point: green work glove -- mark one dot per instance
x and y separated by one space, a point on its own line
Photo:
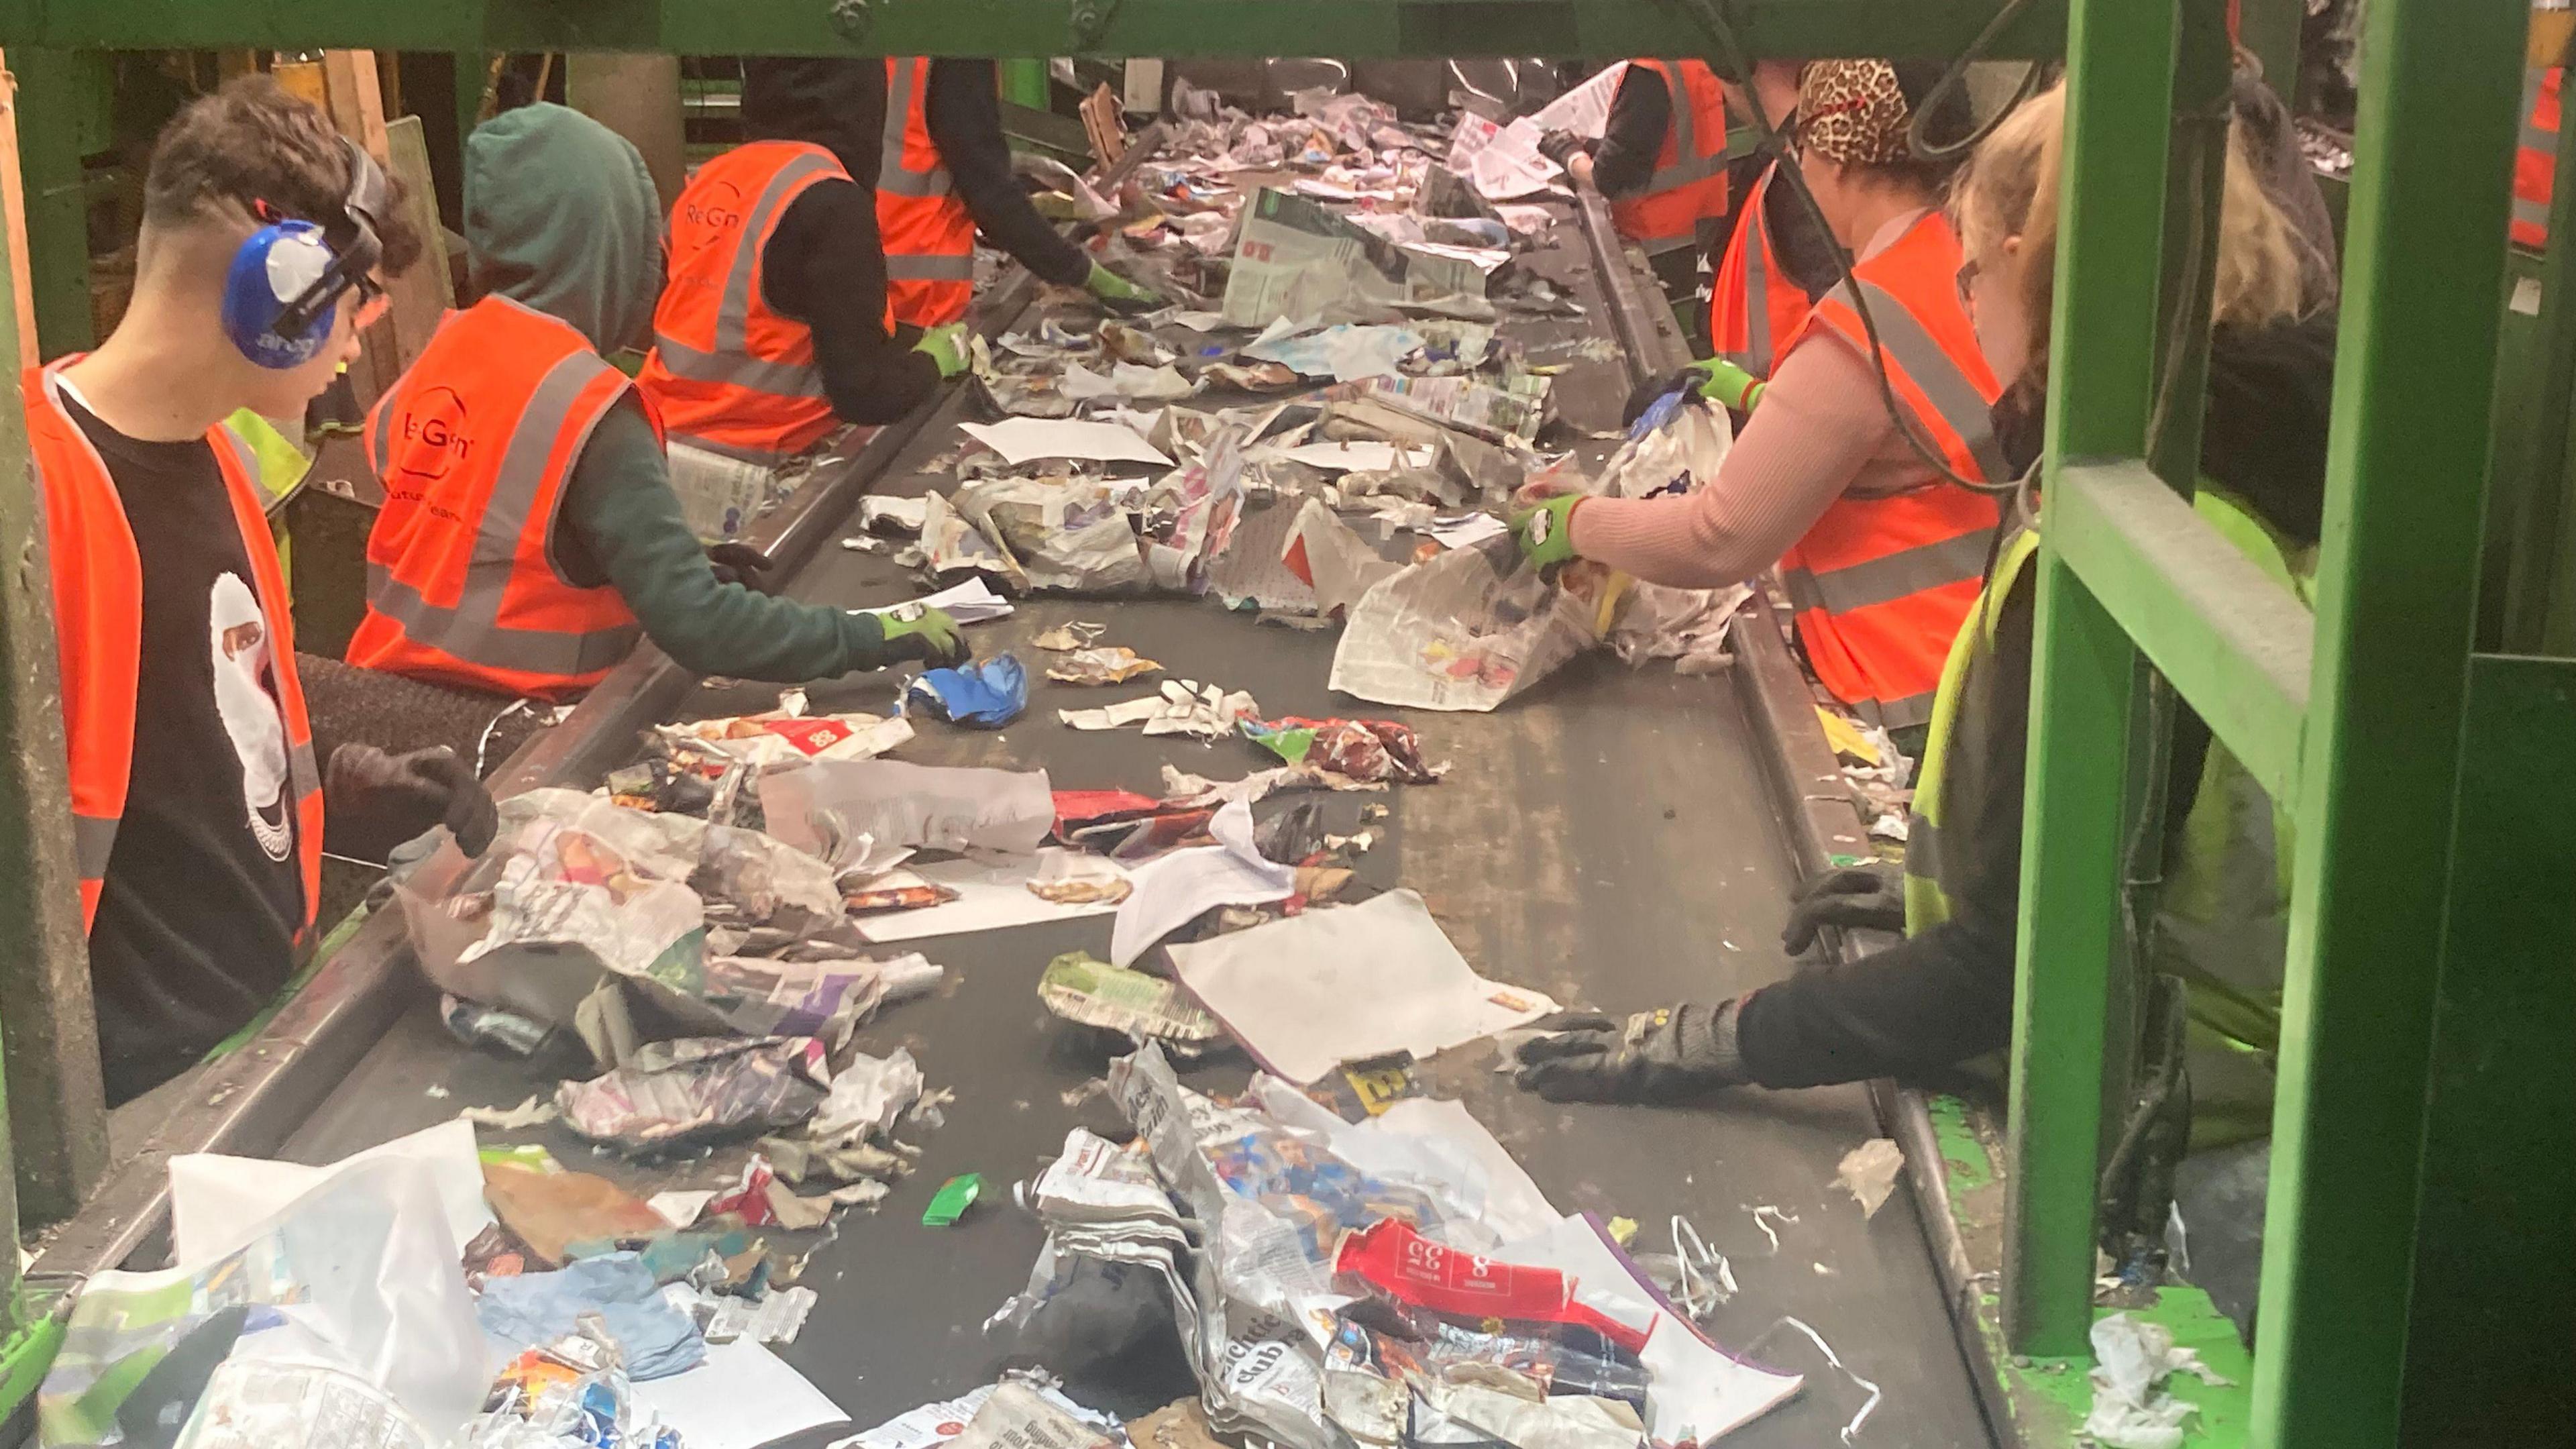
1108 286
1546 532
917 631
945 345
1723 382
1665 1055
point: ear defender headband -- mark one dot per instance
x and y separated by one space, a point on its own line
284 288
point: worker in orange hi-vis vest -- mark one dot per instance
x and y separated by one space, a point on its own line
530 536
947 172
774 326
1776 262
1880 552
201 789
1661 162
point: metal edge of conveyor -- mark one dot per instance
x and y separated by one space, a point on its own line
1808 787
249 1102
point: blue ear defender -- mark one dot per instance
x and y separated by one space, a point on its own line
273 270
283 290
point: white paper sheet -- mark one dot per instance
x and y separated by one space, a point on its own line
1700 1390
1022 440
1340 984
992 892
216 1200
743 1396
1466 530
1584 110
972 602
1357 457
1172 891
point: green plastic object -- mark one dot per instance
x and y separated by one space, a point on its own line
25 1356
952 1200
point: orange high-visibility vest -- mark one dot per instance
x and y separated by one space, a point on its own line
1881 585
475 444
1689 182
725 370
1754 304
928 233
98 631
2535 165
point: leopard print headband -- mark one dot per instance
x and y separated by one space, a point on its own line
1854 112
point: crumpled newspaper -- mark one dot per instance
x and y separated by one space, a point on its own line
2131 1359
1182 707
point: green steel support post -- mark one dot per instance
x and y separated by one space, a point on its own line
57 208
2540 601
2493 1309
2396 597
55 1129
2120 62
1024 83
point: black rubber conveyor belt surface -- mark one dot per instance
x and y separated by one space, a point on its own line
1609 838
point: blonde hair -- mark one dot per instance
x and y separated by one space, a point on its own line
2010 188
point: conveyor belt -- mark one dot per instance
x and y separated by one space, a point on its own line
1617 837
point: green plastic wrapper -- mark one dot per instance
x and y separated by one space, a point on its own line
952 1200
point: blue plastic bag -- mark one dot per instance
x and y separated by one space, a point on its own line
985 693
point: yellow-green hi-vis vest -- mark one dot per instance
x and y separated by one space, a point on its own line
2222 922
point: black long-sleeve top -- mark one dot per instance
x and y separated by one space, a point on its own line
964 112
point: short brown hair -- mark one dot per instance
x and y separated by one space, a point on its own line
254 142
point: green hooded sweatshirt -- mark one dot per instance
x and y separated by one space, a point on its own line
561 215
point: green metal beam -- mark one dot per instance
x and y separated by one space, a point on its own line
49 161
2101 380
2396 598
1024 83
1358 29
54 1133
2234 642
2270 29
2493 1307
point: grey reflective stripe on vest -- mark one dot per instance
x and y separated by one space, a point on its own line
735 311
93 842
2527 211
1688 164
472 630
1948 389
779 379
380 440
1890 576
300 770
891 173
917 268
1897 714
1756 357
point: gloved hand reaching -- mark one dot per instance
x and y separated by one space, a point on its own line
739 563
1714 378
946 346
1562 147
1664 1055
917 631
374 801
1870 896
1546 530
1110 287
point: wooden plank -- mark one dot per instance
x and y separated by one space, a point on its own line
1105 126
13 197
354 99
424 291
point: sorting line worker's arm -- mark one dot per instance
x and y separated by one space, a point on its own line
1819 423
1928 1002
825 267
624 520
1640 112
964 111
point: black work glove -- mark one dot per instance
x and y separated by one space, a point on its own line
1665 1055
1871 896
739 563
377 801
1560 146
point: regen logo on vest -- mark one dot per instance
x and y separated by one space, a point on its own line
719 210
434 433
